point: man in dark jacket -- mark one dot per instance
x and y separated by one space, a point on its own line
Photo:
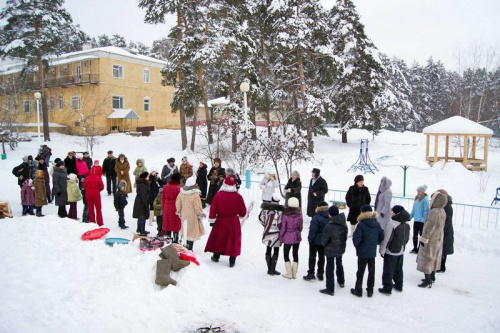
22 171
87 159
396 236
334 238
141 204
108 168
168 170
120 201
357 196
202 182
70 163
318 223
367 236
317 190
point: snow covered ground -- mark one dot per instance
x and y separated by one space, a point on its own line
50 281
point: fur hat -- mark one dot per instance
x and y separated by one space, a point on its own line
59 163
293 202
422 188
230 181
57 160
322 204
72 176
276 197
171 160
176 177
316 172
39 174
122 184
144 175
39 157
110 152
333 210
184 159
217 160
190 182
358 179
366 208
397 209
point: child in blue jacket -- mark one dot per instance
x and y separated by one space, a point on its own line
318 222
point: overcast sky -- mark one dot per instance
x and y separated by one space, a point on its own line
409 29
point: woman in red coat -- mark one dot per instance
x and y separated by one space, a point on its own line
93 186
226 209
171 221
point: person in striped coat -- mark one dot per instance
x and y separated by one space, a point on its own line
270 218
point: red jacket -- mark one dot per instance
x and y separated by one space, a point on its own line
81 167
171 221
93 186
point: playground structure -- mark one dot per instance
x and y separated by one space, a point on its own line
364 162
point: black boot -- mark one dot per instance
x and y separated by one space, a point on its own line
385 291
427 283
232 261
38 211
309 277
369 292
215 257
142 227
268 262
357 292
433 277
443 265
190 245
274 261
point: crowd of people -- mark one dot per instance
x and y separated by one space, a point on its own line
175 200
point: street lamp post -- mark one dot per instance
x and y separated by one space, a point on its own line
245 87
37 97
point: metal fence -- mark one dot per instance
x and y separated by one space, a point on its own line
464 215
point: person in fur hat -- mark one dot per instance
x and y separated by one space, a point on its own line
449 237
431 242
108 169
139 169
70 163
367 236
28 197
171 221
216 177
318 223
120 202
188 205
317 190
186 169
231 172
74 195
270 218
290 235
357 196
122 169
396 236
42 165
419 213
141 203
93 187
40 192
225 211
168 170
334 239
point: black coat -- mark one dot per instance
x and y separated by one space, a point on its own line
449 237
22 169
70 165
320 187
334 236
88 161
296 187
154 189
201 180
141 204
216 178
60 186
120 199
355 198
108 166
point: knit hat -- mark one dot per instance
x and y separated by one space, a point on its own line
72 176
230 181
59 163
184 159
190 181
322 204
39 157
217 160
293 202
333 210
110 152
144 175
86 153
154 170
276 197
358 179
96 162
171 160
57 160
366 208
316 172
422 188
397 209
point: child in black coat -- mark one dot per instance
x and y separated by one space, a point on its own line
120 201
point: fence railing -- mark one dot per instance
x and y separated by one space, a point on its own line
464 215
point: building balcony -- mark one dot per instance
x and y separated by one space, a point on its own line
50 82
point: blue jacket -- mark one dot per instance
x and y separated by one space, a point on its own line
368 235
420 209
318 223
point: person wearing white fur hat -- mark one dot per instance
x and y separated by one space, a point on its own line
270 218
188 205
290 235
419 213
186 169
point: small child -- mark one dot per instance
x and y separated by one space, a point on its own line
40 192
28 197
318 222
96 169
397 235
158 213
74 195
291 227
120 201
366 237
270 218
334 240
139 169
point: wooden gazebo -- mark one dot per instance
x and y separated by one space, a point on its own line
458 127
118 119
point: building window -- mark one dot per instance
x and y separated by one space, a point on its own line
147 104
117 71
27 107
60 101
118 102
51 103
75 103
145 75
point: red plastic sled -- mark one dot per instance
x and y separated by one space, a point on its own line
95 234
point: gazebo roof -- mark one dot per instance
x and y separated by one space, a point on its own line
457 125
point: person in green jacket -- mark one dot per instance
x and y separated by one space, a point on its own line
158 211
140 168
74 195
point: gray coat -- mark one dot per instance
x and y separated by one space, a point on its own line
429 254
60 185
383 202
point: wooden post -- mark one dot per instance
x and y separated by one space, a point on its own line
474 147
466 149
436 136
427 147
447 147
486 153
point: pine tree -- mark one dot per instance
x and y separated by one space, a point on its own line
33 31
119 41
104 40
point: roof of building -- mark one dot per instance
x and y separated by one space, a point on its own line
123 114
457 125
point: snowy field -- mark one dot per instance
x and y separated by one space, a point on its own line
50 281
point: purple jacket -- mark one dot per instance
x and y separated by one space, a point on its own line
291 225
27 194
